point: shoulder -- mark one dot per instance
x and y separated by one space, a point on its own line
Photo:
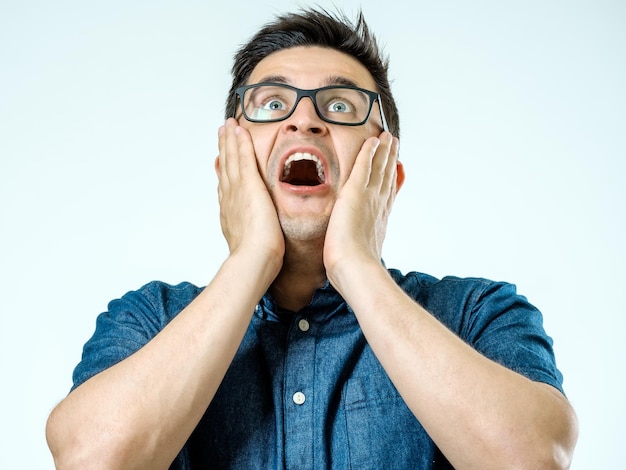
461 302
156 300
167 295
426 286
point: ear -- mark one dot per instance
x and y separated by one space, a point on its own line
217 166
399 175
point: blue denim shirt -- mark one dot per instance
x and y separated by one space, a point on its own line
305 390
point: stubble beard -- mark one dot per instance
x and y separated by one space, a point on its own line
304 228
304 242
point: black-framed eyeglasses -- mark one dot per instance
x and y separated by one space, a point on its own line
338 104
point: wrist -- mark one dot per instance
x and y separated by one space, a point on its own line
357 272
258 264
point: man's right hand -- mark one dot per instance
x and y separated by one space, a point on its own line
247 214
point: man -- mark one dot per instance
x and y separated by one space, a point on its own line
304 351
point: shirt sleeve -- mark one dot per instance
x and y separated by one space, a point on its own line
128 324
492 318
505 327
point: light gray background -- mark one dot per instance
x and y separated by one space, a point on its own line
513 140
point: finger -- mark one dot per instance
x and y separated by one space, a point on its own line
362 169
390 172
380 160
220 163
228 152
231 149
246 153
224 183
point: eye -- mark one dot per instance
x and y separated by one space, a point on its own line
273 105
339 107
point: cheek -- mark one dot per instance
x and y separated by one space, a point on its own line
347 150
263 143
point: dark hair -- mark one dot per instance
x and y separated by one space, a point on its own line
316 28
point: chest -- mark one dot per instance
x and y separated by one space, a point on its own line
309 394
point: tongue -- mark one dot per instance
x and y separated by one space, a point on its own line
303 173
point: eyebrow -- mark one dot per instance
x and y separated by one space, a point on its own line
331 80
339 80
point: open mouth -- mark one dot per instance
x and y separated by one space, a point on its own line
303 169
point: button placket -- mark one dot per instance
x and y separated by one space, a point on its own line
298 392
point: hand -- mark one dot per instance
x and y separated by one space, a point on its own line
247 214
358 223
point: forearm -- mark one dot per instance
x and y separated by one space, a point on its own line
140 412
479 413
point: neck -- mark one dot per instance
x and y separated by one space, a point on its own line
302 273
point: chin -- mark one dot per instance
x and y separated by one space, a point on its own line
304 228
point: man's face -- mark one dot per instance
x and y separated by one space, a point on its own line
304 191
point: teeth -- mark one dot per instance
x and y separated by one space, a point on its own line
304 156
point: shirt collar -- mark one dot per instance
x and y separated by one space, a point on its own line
325 301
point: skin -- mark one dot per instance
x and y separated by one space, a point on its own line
140 412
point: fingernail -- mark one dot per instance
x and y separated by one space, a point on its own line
220 131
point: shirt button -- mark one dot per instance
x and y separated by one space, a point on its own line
299 398
304 325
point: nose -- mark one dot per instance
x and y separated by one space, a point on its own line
305 119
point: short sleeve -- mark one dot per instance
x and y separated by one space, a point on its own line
505 327
129 323
492 318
